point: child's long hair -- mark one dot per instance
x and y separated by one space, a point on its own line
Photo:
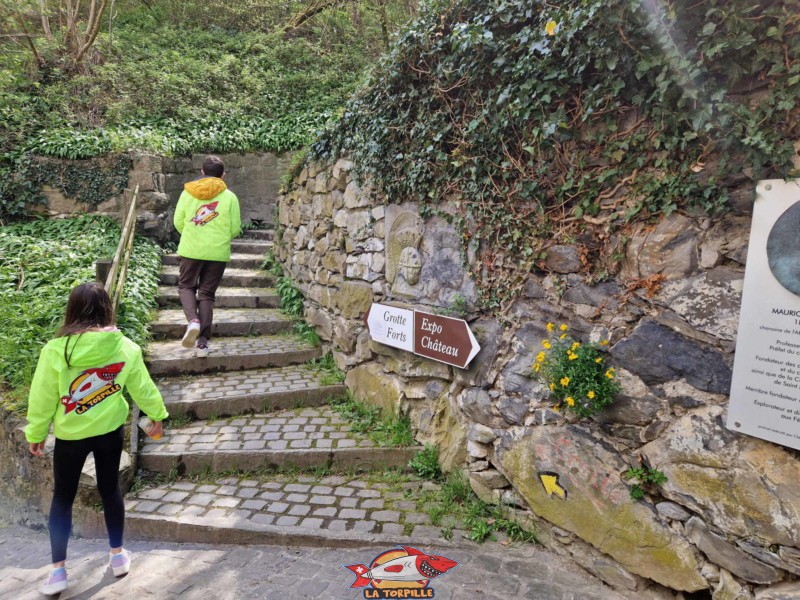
88 307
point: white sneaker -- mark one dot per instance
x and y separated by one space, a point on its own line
190 337
201 351
120 563
56 582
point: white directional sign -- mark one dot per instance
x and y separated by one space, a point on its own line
440 338
392 326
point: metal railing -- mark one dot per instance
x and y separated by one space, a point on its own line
115 281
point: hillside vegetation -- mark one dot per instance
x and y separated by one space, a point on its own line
543 121
179 76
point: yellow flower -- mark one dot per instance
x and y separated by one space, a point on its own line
540 357
563 327
590 395
564 381
552 387
550 327
562 336
550 27
575 346
536 367
610 373
570 401
546 344
604 343
598 360
571 355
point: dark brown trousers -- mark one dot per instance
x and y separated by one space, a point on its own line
197 287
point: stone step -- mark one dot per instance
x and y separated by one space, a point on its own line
332 511
237 261
227 297
256 390
232 277
229 354
171 323
301 439
259 234
250 246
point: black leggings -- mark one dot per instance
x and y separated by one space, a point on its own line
68 459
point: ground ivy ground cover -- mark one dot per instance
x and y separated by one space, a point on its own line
40 262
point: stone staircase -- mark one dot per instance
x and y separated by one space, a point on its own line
252 453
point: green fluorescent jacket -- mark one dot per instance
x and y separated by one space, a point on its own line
207 217
85 399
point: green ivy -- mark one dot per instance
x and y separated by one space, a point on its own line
570 119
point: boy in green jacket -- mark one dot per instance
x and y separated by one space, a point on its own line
207 217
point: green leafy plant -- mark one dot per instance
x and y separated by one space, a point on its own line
306 333
645 478
426 463
385 431
291 297
326 367
576 373
271 264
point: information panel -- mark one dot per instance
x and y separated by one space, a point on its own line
765 391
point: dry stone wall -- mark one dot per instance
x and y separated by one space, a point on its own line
255 178
728 518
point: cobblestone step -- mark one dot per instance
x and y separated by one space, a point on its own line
237 261
259 234
332 511
171 323
229 354
256 390
250 246
227 297
301 438
231 278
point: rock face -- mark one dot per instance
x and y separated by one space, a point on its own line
726 520
658 354
595 493
742 485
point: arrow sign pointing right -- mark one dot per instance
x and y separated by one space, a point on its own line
445 339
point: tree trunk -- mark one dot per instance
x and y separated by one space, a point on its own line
45 20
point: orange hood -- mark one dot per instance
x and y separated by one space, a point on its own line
205 188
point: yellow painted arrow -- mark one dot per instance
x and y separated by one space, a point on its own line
551 486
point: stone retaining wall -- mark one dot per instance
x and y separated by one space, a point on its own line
254 177
727 519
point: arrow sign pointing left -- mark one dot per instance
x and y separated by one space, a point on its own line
551 486
391 326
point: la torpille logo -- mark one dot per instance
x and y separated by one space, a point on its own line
206 213
91 387
400 573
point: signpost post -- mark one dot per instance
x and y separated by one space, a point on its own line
440 338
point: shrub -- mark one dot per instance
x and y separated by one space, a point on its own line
576 373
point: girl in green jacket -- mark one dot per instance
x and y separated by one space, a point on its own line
78 388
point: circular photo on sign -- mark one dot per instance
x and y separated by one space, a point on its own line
783 249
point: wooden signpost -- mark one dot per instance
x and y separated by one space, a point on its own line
439 338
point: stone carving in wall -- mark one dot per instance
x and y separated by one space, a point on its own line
403 259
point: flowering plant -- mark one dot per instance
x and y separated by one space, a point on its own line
576 373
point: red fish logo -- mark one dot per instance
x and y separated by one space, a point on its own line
205 214
92 387
407 569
